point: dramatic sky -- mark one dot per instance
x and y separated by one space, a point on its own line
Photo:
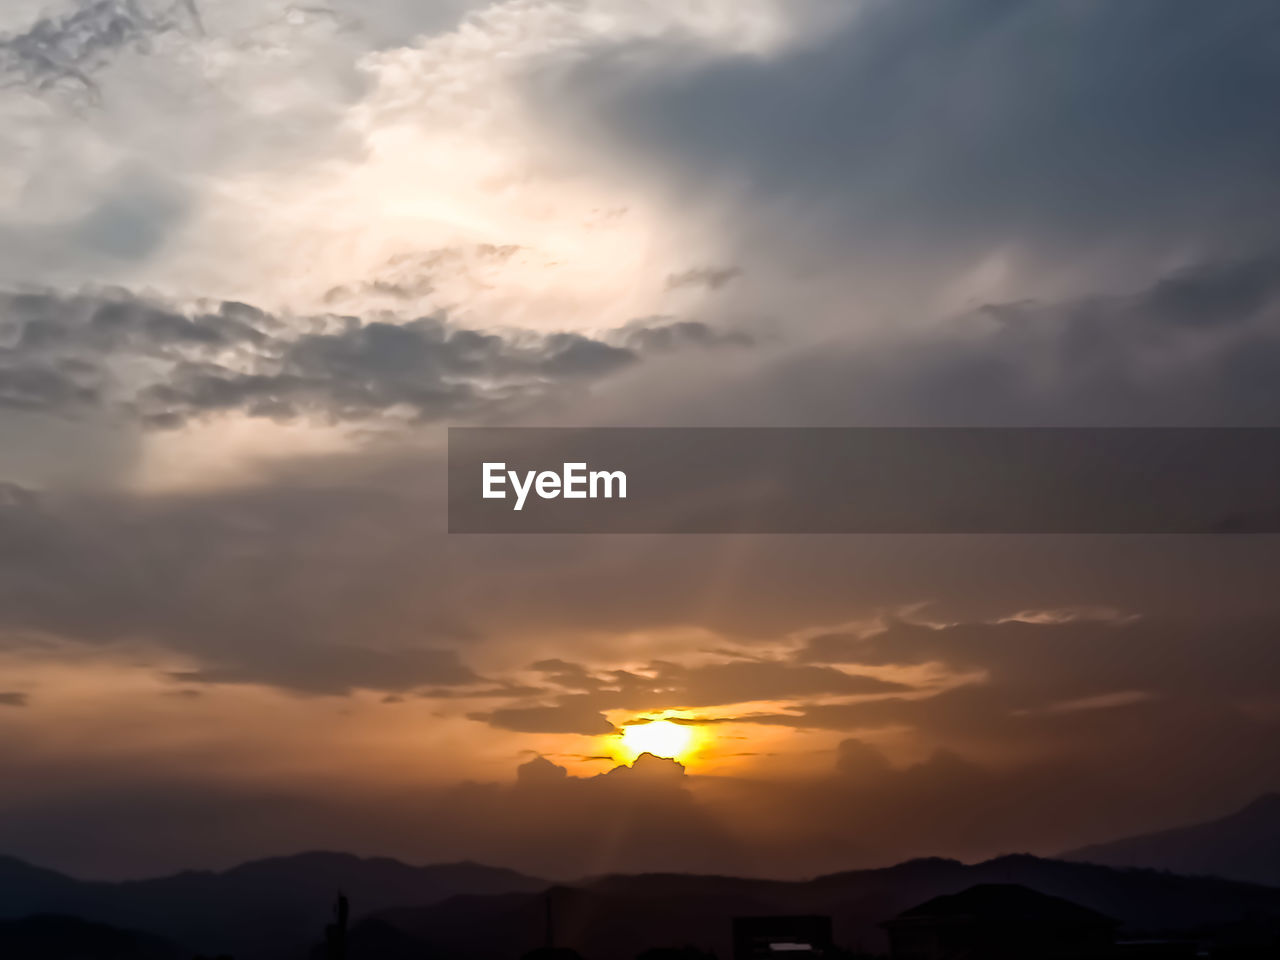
256 256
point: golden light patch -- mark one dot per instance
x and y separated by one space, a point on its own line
662 738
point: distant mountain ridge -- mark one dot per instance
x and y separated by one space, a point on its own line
277 908
618 917
260 908
51 937
1244 845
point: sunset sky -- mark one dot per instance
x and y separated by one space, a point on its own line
255 257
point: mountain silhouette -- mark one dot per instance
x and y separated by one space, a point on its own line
47 937
1242 846
619 917
278 908
262 908
25 889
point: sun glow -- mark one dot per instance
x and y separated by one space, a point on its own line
662 738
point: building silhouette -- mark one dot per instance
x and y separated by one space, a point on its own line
1000 921
335 934
771 938
549 950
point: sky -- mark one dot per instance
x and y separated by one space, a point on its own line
256 257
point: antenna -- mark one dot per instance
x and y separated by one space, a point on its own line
550 918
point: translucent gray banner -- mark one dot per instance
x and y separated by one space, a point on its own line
863 480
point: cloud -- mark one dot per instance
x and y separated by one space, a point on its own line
711 277
763 680
72 354
906 143
1013 690
855 758
12 699
651 816
660 337
319 667
1198 346
185 596
570 715
540 770
663 685
1052 661
70 49
732 682
1047 214
1080 692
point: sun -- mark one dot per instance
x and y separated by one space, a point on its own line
662 738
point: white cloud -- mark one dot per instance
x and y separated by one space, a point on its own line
291 157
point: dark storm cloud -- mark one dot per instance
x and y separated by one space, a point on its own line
973 123
63 355
212 584
117 321
70 49
55 387
1197 347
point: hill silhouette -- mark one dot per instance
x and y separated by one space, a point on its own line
261 908
50 937
1242 846
277 908
618 917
